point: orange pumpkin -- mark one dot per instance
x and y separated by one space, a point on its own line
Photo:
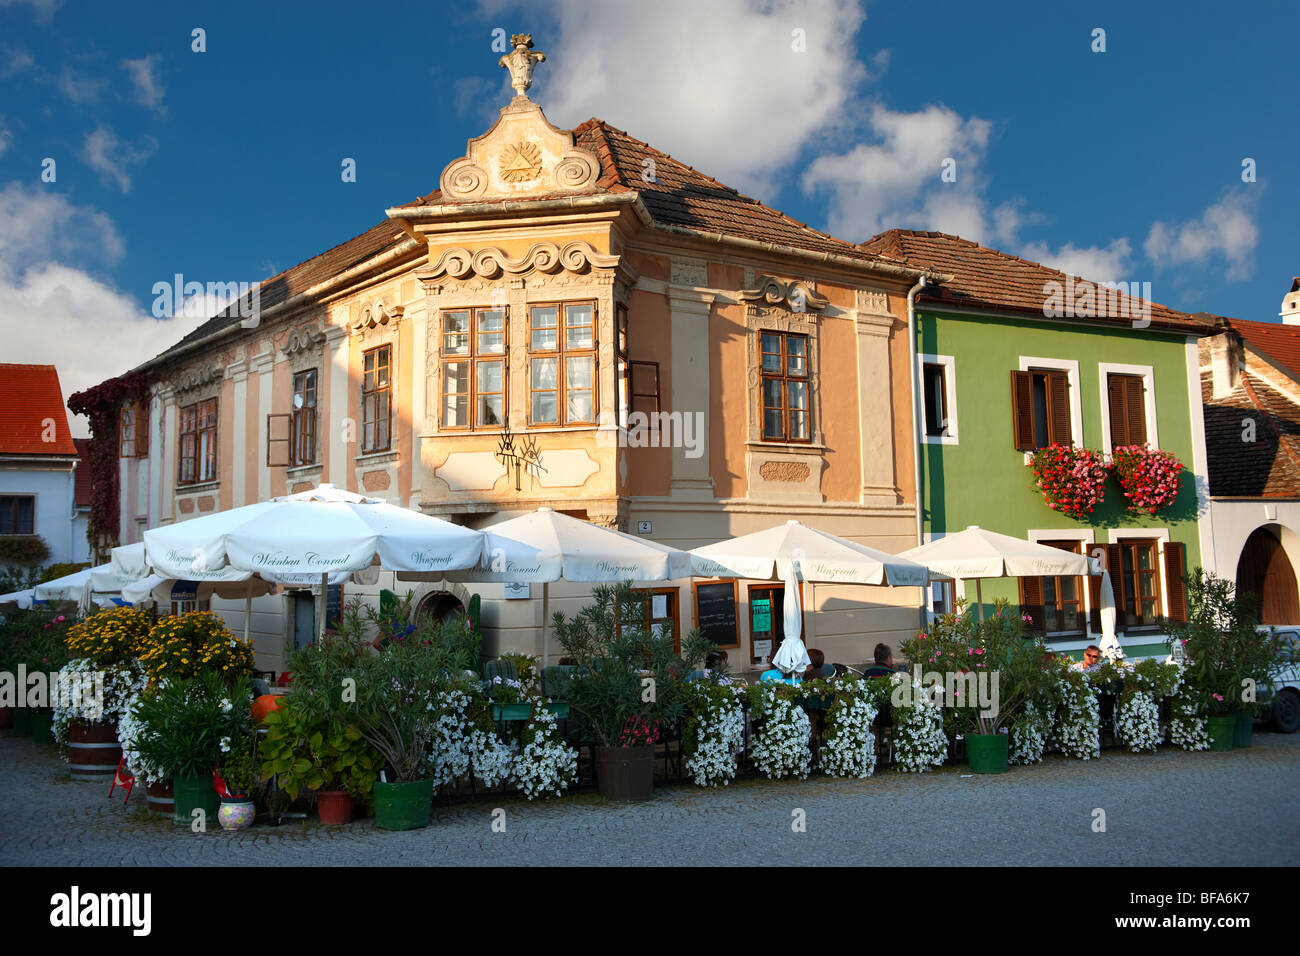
264 705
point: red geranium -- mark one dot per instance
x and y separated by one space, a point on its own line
1150 477
1072 480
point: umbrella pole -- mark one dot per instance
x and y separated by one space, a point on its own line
320 607
546 613
248 608
979 598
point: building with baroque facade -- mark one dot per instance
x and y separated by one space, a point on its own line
572 319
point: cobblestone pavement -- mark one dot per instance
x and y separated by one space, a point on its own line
1167 808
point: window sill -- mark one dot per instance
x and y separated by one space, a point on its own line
376 457
295 471
798 448
198 486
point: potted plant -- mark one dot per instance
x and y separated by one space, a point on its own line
1072 480
234 780
510 699
185 729
628 686
1150 477
186 645
95 686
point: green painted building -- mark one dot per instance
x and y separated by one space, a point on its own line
1001 371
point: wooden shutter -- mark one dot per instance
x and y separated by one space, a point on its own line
1175 586
142 430
277 439
1022 410
1115 563
1031 603
1116 400
1058 409
1135 403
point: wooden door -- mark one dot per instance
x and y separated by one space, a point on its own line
1265 570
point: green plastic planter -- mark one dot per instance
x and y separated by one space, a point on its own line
194 793
1243 732
42 724
1221 731
403 806
512 711
560 708
23 720
987 752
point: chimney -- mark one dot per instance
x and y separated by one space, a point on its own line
1224 362
1291 304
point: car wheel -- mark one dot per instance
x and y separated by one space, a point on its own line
1286 711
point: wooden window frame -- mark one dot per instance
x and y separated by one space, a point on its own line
696 584
676 615
196 456
762 587
1128 424
474 357
133 420
303 419
623 365
562 354
942 399
1058 427
13 515
374 394
785 378
1129 582
1033 595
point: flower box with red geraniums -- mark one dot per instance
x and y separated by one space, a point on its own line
1150 477
1071 480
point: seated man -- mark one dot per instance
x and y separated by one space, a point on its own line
815 668
884 662
715 667
1091 659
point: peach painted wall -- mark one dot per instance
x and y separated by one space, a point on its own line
281 400
403 423
226 450
251 458
650 340
649 265
729 391
838 383
904 475
353 412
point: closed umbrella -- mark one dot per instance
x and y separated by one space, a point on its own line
792 657
544 546
319 532
978 553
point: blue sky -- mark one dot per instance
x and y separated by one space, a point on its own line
225 165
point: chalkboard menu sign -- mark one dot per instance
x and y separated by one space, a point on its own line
715 613
333 605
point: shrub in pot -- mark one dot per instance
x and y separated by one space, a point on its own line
234 780
186 645
185 729
628 687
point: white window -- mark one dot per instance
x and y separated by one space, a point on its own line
938 379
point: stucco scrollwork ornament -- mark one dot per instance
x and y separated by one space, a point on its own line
793 296
520 62
303 340
190 379
378 313
491 262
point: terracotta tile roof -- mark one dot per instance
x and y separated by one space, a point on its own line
1279 343
29 396
81 483
1268 467
315 270
987 278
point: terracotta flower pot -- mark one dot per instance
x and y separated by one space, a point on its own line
334 807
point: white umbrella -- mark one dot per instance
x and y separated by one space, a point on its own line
978 553
21 598
129 561
824 558
320 532
1109 642
544 546
792 657
70 587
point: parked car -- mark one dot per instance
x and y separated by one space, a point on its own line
1284 708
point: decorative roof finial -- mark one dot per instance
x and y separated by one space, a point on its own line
521 62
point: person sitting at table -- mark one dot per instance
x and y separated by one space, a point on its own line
1091 659
884 662
817 660
715 666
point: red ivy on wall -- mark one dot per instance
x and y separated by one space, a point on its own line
101 405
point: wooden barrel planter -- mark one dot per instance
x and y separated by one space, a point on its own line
93 750
160 798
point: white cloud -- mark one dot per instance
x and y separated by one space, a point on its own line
148 86
79 89
1098 263
1226 232
716 84
898 180
103 152
42 10
13 62
6 138
52 311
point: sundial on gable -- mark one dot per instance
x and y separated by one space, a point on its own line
522 154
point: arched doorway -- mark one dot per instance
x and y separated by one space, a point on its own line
440 605
1265 570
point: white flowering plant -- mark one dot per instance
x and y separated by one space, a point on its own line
92 693
1138 688
545 764
185 728
713 734
1076 715
849 749
919 741
779 746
